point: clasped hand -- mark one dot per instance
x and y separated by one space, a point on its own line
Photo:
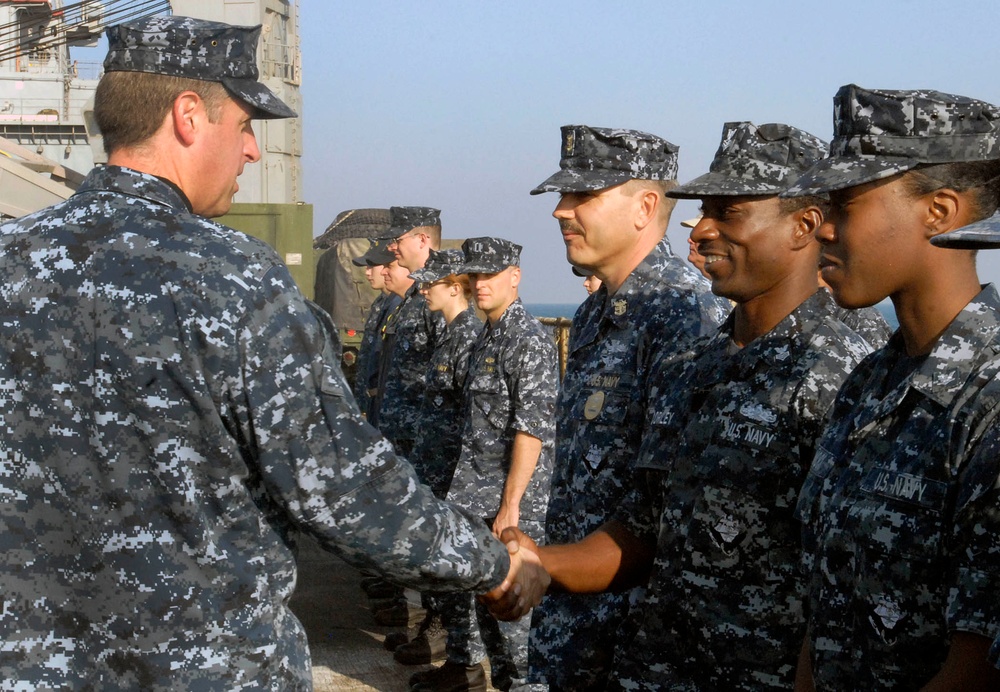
526 582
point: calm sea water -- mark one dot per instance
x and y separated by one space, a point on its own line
568 309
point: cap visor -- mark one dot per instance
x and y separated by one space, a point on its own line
577 181
982 235
253 93
723 185
840 173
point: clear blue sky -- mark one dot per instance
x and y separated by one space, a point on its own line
458 104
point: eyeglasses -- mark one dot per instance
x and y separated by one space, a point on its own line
428 285
398 239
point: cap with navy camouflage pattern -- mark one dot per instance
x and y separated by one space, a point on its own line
754 160
195 49
879 133
403 219
440 263
594 158
489 255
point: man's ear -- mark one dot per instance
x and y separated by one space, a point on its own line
515 276
648 203
186 113
807 222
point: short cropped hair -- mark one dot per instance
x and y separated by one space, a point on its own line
662 187
981 178
790 205
129 107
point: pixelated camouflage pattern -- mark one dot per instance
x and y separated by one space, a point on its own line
614 340
868 323
982 235
411 335
729 436
403 219
902 509
594 158
878 133
369 350
511 387
439 264
754 160
196 49
441 418
173 412
489 255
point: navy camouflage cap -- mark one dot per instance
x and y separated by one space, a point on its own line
879 133
375 255
403 219
439 264
594 158
754 160
195 49
489 255
981 235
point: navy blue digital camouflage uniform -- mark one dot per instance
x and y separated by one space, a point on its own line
442 412
370 350
410 338
614 340
902 509
511 387
728 438
173 412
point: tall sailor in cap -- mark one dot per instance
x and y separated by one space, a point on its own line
505 466
728 436
613 215
173 409
902 504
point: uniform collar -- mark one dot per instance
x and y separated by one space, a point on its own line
514 312
127 181
970 337
615 308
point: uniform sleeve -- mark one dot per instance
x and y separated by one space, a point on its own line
973 604
639 509
533 384
333 474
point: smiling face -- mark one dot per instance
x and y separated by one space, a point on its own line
873 242
397 278
227 146
746 243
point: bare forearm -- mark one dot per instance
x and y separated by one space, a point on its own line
966 668
523 459
611 558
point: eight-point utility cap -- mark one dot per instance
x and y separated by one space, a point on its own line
403 219
879 133
440 263
594 158
196 49
754 160
981 235
489 255
375 255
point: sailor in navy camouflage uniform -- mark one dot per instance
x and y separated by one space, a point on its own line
442 411
411 334
902 504
370 349
505 468
729 434
173 410
649 306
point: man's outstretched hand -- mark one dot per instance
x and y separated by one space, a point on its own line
526 582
